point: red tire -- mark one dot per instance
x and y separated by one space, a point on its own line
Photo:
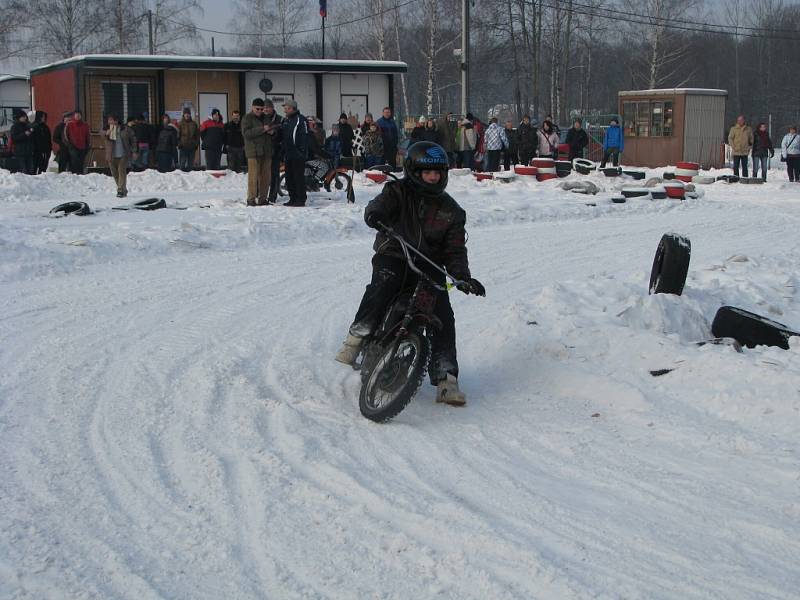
523 170
691 166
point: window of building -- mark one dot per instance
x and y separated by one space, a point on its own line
125 99
647 119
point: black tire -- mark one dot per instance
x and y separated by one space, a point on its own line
753 180
611 171
750 329
635 192
150 204
340 181
582 170
397 373
671 265
618 199
72 208
635 174
668 176
728 178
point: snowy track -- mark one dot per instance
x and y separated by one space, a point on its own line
177 428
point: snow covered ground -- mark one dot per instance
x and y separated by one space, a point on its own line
172 424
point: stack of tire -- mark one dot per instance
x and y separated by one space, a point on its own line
563 168
686 171
675 189
526 170
546 168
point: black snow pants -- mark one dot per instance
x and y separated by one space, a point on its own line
389 276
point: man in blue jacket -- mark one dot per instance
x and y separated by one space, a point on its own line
390 137
613 144
294 141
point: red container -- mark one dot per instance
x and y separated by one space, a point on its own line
684 178
543 163
693 166
376 177
522 170
546 176
563 151
482 176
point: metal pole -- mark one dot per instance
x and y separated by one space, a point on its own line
150 31
464 56
213 47
323 38
769 158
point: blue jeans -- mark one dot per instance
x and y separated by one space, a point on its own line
760 160
370 161
740 159
143 161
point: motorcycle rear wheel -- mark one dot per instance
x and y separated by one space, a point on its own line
395 376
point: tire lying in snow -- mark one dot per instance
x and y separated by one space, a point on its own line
635 192
728 178
755 180
72 208
635 174
618 199
150 204
668 176
750 329
671 265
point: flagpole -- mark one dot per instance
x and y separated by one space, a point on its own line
323 37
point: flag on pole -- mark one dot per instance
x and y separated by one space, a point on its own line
323 8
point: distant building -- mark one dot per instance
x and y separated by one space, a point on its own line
15 93
130 85
663 127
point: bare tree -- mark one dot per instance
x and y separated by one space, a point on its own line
69 29
173 23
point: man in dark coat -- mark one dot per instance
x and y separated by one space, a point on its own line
62 151
510 156
526 141
22 135
295 152
275 123
420 211
346 134
577 140
42 142
234 142
390 136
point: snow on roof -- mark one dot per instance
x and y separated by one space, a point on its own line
675 91
165 61
13 78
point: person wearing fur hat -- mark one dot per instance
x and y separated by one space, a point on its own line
212 133
22 136
347 134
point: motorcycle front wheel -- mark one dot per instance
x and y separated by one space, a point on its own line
395 376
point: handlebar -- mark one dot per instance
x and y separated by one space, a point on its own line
405 246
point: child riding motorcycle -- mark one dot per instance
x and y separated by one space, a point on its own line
417 208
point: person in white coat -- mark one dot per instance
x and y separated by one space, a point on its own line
790 153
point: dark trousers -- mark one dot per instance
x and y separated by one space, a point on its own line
493 160
389 276
42 159
77 160
26 164
466 158
295 180
186 158
763 161
390 154
509 158
275 178
613 154
740 159
213 158
62 158
235 159
165 161
793 167
525 158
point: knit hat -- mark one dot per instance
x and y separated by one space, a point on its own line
215 111
342 116
187 110
258 102
268 103
422 119
291 103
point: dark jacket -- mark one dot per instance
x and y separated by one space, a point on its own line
511 136
144 133
526 139
127 136
373 144
764 148
295 137
275 121
257 142
347 134
233 134
58 138
213 134
167 139
22 136
447 136
577 140
333 146
423 134
188 134
433 224
42 140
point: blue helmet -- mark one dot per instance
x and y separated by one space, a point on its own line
426 156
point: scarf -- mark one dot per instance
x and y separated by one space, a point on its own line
113 132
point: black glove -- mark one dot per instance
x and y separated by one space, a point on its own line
372 220
472 286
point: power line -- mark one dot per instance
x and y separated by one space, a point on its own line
332 26
637 19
